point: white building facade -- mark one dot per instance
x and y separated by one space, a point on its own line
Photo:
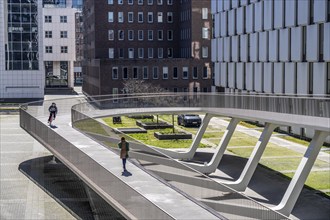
272 46
59 43
21 55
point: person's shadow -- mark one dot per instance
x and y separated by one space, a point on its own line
53 126
126 173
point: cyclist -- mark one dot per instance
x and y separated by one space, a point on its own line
52 113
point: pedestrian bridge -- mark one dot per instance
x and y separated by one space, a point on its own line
158 185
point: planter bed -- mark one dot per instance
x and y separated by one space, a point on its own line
141 116
154 125
131 130
171 136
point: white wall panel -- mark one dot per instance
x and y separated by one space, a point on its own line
249 18
227 49
220 49
244 51
273 46
214 52
268 78
326 44
279 78
214 6
320 11
303 12
278 14
319 78
302 78
232 22
220 5
312 39
244 2
249 77
290 78
290 13
253 50
226 5
235 48
240 20
263 46
240 75
234 3
217 25
232 75
258 77
285 44
259 16
251 1
268 14
223 75
223 24
217 74
296 44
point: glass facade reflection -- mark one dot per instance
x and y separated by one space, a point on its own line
22 47
54 3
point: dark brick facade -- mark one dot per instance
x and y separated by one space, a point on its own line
104 75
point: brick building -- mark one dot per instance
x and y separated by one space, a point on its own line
163 42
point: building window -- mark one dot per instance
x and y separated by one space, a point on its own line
110 16
135 73
140 52
130 35
130 17
160 53
170 2
64 34
64 49
205 89
48 34
205 13
150 53
49 49
114 72
145 72
160 34
130 2
205 33
48 19
159 2
121 52
121 35
165 72
169 52
131 53
170 17
140 17
160 17
150 35
125 73
150 17
155 72
150 2
195 72
120 2
175 89
115 95
175 72
140 2
140 35
120 17
110 2
111 34
63 19
205 52
169 35
185 72
205 72
111 53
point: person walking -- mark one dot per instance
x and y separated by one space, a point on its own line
52 113
124 148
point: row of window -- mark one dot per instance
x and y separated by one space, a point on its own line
140 35
140 2
140 53
49 19
186 33
143 72
185 15
130 17
49 34
49 49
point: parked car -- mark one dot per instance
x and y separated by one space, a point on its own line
189 120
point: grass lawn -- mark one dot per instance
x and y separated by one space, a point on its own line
126 122
317 180
90 125
213 134
270 150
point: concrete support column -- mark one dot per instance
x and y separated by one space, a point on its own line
251 165
297 183
214 163
192 150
